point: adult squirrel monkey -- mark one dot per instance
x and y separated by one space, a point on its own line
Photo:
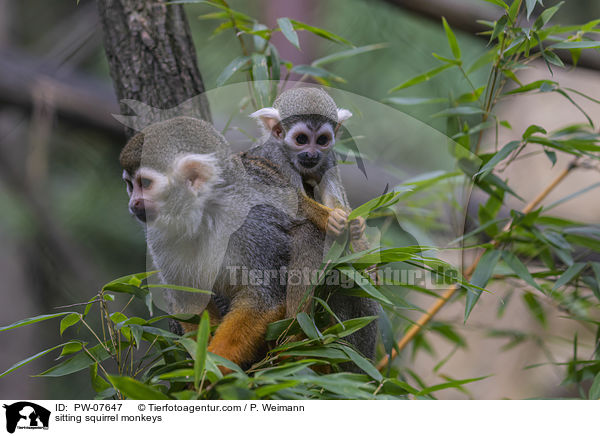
211 215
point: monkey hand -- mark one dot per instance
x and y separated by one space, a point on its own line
357 227
338 218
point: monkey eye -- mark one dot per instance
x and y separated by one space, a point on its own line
145 183
322 140
302 139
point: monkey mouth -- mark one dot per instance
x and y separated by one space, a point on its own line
309 163
144 215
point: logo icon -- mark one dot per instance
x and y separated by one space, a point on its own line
26 415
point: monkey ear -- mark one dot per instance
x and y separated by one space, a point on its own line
197 170
343 115
268 118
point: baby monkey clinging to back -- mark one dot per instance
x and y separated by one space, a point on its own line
301 128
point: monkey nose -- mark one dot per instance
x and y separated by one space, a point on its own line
138 210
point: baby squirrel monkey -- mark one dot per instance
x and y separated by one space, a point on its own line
300 132
209 215
300 129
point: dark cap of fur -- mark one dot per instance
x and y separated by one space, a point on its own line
157 145
306 101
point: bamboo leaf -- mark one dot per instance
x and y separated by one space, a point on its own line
480 278
571 272
320 32
33 320
576 44
594 393
68 321
498 3
135 390
234 66
421 78
287 28
519 268
32 358
201 344
499 157
317 72
451 39
308 326
347 54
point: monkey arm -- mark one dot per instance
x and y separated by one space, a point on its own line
314 211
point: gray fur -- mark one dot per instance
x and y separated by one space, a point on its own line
323 183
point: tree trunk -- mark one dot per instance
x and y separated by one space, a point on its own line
151 55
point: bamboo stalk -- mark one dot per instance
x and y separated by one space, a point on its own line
435 308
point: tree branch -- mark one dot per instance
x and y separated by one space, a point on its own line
151 55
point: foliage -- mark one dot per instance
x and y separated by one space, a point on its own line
548 259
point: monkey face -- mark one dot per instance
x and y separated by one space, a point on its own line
309 143
177 195
144 189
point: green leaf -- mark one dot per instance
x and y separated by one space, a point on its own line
498 3
362 363
179 288
275 63
553 58
347 54
421 78
576 44
451 39
514 10
459 110
350 326
364 284
260 74
533 129
530 6
411 101
32 358
594 393
308 326
535 307
532 86
233 67
384 200
448 385
552 156
98 383
519 268
547 16
132 279
499 157
483 60
320 32
480 278
571 272
68 321
499 27
201 344
78 362
33 320
287 28
124 288
136 390
317 72
71 348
